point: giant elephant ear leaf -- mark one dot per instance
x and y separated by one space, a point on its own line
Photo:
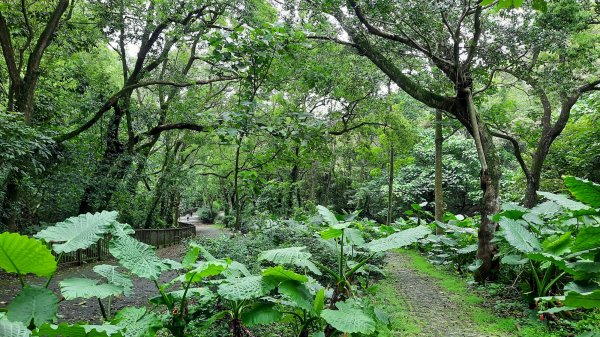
139 258
518 236
588 238
586 300
564 201
78 232
23 255
349 318
73 288
33 304
295 256
138 322
77 330
244 288
13 329
327 215
398 239
584 191
113 276
261 313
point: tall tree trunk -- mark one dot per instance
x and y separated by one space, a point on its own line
490 205
294 180
438 192
98 192
390 186
534 174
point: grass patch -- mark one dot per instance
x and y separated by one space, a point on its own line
384 295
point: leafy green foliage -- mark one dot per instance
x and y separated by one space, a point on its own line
139 258
78 232
113 276
87 288
519 236
296 256
261 313
137 322
13 329
22 255
33 305
566 250
244 288
76 330
398 240
583 190
349 318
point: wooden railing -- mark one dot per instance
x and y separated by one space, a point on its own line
159 237
165 236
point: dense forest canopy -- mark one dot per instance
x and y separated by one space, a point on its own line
249 111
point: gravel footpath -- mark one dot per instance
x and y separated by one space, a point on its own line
435 312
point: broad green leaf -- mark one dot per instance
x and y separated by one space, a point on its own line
73 288
113 276
584 191
556 310
586 301
349 318
191 256
295 256
172 264
558 245
581 287
78 232
331 233
514 214
244 288
120 229
398 239
319 302
280 274
205 269
297 293
354 237
518 236
139 258
22 255
514 260
261 313
327 215
588 238
467 249
138 322
33 304
546 257
13 329
546 208
76 330
563 201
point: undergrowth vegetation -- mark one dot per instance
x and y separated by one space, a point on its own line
288 284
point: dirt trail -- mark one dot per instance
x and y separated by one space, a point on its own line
203 229
427 303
